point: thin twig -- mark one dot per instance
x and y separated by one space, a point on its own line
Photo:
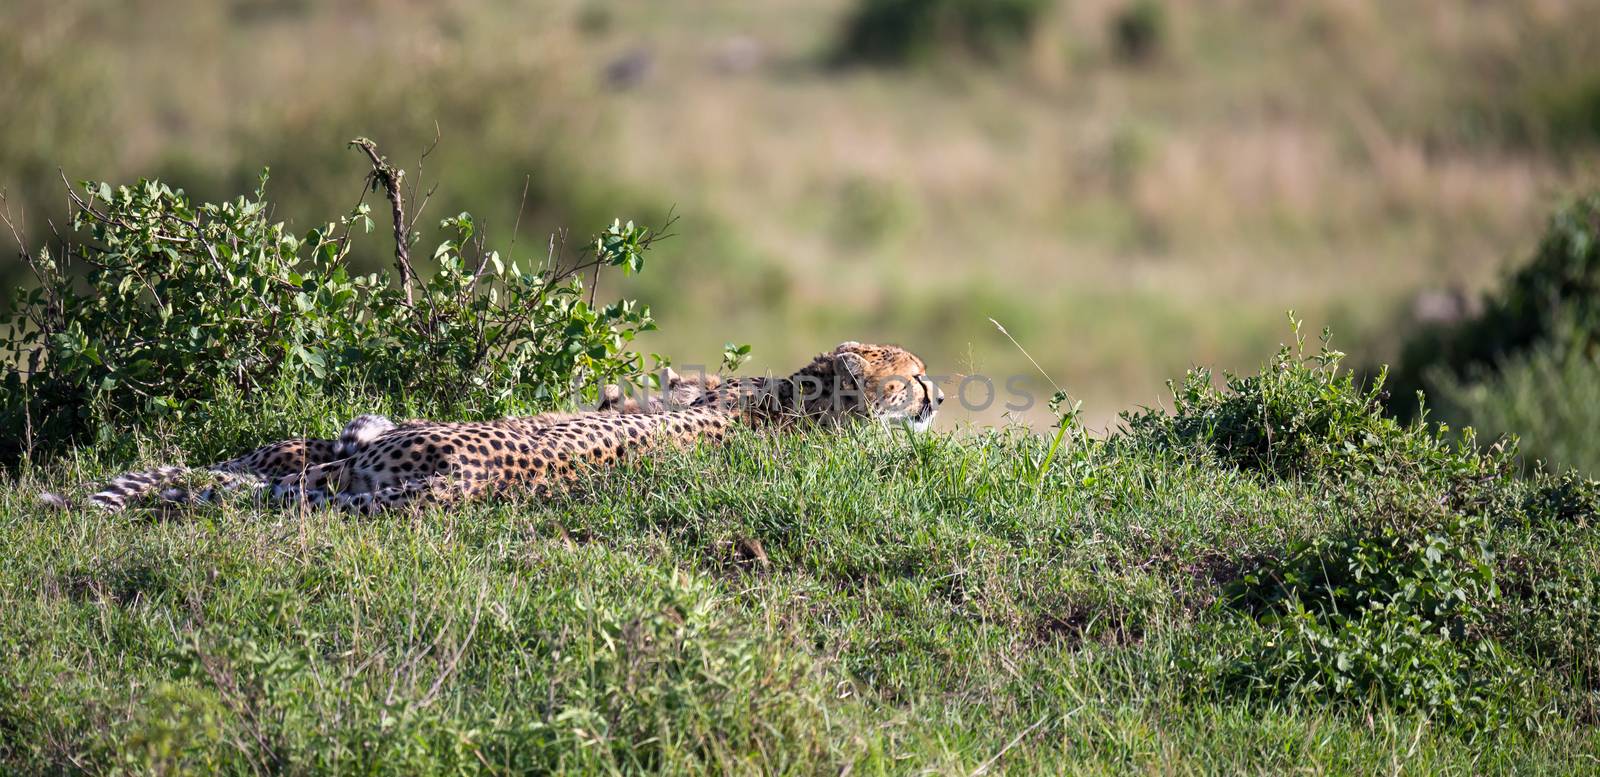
422 205
550 253
483 262
416 183
521 206
344 241
594 283
211 252
25 255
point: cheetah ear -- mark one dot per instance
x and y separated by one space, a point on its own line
610 395
850 363
846 345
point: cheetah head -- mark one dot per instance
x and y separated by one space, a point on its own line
857 380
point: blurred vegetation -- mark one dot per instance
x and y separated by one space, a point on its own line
1526 364
1140 30
1332 157
1547 397
1553 300
1537 94
208 120
907 31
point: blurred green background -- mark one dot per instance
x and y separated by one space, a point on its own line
1131 187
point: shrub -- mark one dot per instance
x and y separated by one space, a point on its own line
1395 601
1526 365
1553 301
1562 501
1303 417
1393 608
1139 31
899 32
162 304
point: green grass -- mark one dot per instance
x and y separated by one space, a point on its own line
1171 598
858 601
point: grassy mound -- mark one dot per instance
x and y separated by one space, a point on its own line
1272 576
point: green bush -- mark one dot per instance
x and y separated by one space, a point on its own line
1393 603
162 305
1304 416
898 32
1553 301
1560 501
1392 609
1527 364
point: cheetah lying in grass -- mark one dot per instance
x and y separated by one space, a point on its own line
288 457
384 467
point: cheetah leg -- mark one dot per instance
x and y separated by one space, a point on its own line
412 494
311 485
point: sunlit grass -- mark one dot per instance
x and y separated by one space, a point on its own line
854 600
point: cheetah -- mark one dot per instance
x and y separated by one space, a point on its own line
442 463
288 457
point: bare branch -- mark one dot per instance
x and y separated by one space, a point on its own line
594 283
417 182
54 315
558 245
385 175
16 235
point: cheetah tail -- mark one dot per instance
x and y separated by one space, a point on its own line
124 489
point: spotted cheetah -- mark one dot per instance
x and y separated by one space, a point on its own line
435 463
288 457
